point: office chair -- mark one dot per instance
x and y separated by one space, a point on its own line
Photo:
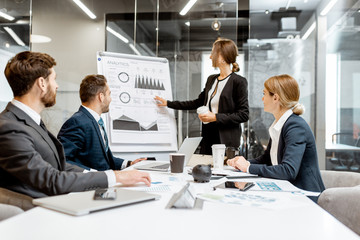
342 161
7 211
341 197
16 199
356 164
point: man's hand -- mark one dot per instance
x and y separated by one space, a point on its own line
239 163
160 101
207 117
137 160
132 176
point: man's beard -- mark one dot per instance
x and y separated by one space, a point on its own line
49 99
105 109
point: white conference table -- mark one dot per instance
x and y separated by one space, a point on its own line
338 147
298 218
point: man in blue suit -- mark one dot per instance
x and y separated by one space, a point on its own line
83 135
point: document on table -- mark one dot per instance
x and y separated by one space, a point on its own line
230 171
153 188
263 200
268 185
275 185
160 183
266 200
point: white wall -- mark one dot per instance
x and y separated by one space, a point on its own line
75 40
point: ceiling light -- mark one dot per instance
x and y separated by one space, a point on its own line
39 39
328 7
309 31
267 11
187 7
134 49
118 35
6 16
85 9
215 25
187 23
14 36
288 4
7 45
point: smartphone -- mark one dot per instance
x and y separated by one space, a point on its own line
105 194
242 186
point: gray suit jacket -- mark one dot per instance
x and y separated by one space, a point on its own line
32 160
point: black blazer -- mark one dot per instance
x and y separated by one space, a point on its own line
233 107
32 160
297 157
84 145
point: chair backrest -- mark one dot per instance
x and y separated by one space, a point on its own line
344 138
334 179
16 199
7 211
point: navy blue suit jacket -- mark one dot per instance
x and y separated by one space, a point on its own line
84 145
297 157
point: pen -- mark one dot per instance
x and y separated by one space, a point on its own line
219 174
233 177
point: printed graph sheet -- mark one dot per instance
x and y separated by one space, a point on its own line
134 121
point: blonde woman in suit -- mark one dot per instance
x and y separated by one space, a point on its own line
291 153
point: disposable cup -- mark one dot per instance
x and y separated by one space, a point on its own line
218 154
202 110
177 162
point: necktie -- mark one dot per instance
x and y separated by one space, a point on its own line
101 123
42 125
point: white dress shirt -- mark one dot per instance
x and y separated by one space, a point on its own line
28 110
275 131
37 119
216 98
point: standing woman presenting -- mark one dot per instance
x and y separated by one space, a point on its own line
225 95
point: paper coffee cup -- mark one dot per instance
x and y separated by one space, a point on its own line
202 110
218 153
177 162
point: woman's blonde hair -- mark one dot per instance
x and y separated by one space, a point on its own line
228 50
288 91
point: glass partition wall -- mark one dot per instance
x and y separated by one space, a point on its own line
14 37
282 41
342 24
156 28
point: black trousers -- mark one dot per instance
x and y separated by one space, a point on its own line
210 134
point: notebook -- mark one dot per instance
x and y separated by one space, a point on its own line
188 148
82 203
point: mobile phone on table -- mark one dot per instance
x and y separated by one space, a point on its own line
242 186
105 194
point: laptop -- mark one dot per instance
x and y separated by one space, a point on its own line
82 203
188 148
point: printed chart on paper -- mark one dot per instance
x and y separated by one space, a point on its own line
134 117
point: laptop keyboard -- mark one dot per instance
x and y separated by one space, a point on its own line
163 166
